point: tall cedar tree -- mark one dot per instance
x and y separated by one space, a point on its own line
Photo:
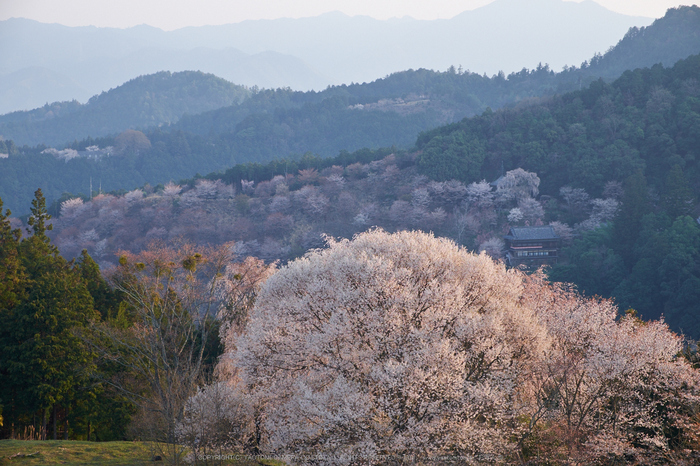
11 271
11 278
106 299
45 366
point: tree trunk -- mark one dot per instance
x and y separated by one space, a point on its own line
65 426
44 425
88 439
54 422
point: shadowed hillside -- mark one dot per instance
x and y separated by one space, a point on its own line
143 102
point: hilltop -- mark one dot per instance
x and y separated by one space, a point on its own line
144 102
668 39
49 62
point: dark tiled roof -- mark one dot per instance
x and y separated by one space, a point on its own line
531 233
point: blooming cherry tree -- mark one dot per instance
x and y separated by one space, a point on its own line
402 343
608 388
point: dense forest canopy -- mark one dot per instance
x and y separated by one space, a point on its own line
143 102
646 119
275 124
613 166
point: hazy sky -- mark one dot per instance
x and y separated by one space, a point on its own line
173 14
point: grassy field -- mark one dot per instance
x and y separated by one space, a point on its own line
69 452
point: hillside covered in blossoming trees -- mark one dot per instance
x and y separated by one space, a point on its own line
611 168
366 351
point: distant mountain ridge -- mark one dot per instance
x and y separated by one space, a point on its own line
446 97
307 53
673 37
44 63
140 103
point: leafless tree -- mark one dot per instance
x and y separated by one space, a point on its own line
160 337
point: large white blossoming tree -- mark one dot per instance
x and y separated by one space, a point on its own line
407 345
397 344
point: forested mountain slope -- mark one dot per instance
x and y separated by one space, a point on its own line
281 123
614 167
143 102
667 40
431 98
443 97
647 119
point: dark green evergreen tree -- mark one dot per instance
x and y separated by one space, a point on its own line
592 264
635 203
453 156
46 365
106 300
678 198
640 289
11 271
679 275
12 277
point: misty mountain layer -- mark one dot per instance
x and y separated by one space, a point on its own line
433 97
42 63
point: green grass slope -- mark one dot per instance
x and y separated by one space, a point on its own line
52 452
79 453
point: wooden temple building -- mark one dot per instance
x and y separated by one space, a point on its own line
532 246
